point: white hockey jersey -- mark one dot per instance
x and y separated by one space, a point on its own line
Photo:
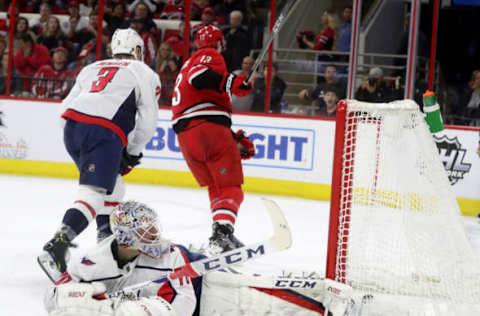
99 265
119 94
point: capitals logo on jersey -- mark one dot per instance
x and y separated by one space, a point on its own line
87 261
452 155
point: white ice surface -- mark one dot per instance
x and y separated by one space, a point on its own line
32 208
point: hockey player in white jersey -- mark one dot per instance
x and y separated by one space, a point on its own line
135 253
111 113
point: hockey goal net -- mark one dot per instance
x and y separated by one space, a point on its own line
395 225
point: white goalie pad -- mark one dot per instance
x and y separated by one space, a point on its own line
239 294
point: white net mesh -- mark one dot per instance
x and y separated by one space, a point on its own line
400 228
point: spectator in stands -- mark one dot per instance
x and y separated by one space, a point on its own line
473 96
345 31
225 7
41 22
374 88
208 18
81 60
4 23
89 33
88 7
327 105
173 10
244 103
237 40
52 36
197 8
150 43
176 40
344 34
330 80
117 19
29 58
276 92
423 47
53 81
31 6
151 7
326 39
167 67
75 22
21 27
15 81
60 7
142 11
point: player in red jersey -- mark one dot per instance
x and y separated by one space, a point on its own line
202 110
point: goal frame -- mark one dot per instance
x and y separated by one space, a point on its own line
336 188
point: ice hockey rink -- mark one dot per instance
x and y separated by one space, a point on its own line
32 209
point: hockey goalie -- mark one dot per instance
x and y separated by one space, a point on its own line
135 253
126 274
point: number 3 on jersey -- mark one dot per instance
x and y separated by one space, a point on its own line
176 92
105 75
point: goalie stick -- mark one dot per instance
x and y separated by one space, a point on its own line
284 15
280 240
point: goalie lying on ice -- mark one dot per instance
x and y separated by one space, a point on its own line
135 253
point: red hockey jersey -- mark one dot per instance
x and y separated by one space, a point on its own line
188 101
50 83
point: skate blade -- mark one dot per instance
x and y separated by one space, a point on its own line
48 266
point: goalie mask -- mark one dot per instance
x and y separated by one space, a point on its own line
126 41
136 226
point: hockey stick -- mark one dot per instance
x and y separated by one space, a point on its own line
284 15
280 240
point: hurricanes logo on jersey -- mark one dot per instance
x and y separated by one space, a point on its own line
452 155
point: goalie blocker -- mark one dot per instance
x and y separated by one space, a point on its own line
78 299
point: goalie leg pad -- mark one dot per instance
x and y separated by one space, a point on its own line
145 306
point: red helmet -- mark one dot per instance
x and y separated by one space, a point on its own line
208 36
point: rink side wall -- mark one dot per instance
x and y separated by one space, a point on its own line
294 155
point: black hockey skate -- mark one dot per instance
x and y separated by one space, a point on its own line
222 239
53 260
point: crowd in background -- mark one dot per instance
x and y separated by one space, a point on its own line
48 52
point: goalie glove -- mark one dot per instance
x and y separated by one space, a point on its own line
245 145
77 299
129 162
236 84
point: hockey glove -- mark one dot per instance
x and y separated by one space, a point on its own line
245 145
79 299
236 84
129 162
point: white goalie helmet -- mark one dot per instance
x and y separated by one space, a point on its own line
125 41
136 226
